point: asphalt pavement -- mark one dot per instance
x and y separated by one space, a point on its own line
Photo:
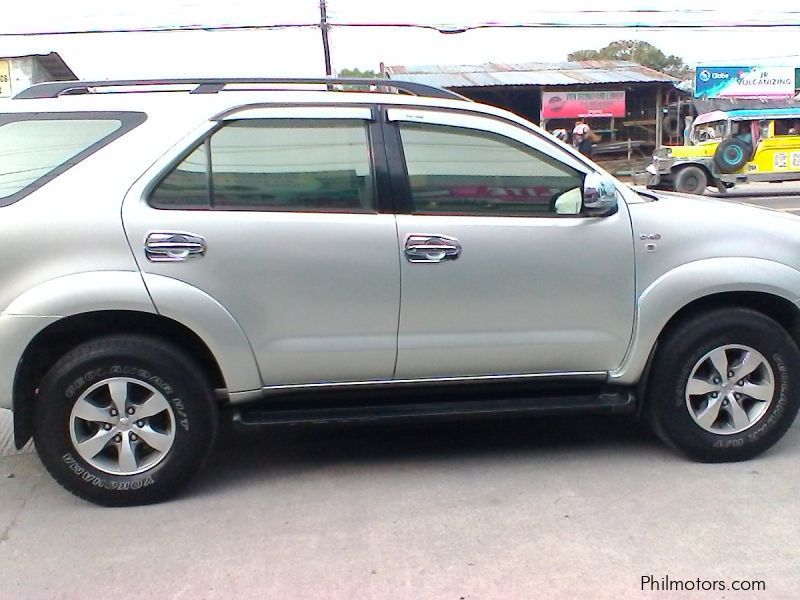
778 196
526 508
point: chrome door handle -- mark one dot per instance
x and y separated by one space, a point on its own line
428 248
173 246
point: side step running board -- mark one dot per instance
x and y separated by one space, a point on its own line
608 402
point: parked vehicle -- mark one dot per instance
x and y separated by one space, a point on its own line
281 256
731 147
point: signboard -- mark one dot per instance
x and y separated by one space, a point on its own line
744 82
570 105
5 79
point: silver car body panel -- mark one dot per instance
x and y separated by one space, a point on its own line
422 381
16 333
269 330
64 252
44 304
213 324
689 247
316 294
82 293
526 295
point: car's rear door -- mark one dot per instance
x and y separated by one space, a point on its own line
274 214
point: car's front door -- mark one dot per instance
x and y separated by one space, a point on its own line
295 249
494 282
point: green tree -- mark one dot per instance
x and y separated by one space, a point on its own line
639 52
358 73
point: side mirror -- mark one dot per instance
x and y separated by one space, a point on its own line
600 195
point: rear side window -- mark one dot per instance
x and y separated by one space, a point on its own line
187 185
275 165
36 148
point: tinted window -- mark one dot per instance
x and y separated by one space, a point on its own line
456 171
187 184
276 166
30 150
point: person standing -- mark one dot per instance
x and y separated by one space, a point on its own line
561 134
582 137
687 131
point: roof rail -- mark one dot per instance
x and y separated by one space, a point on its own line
214 85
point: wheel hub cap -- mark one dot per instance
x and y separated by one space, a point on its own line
730 389
122 426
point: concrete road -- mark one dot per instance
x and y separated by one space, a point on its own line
564 508
790 204
779 196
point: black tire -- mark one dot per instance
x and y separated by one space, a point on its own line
671 124
667 405
732 154
691 180
140 363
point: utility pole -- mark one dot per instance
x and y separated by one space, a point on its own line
324 27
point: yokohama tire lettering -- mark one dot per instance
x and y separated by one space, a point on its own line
101 482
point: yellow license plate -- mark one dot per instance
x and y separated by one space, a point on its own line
5 79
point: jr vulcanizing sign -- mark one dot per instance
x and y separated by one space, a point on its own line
746 82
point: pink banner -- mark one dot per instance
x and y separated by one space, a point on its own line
570 105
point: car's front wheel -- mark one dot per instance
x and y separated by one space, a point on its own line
724 385
124 420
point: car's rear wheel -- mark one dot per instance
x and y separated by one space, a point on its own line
724 385
124 420
691 180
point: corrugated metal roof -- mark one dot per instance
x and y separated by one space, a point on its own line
54 64
57 67
541 74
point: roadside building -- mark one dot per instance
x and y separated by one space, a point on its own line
622 101
20 72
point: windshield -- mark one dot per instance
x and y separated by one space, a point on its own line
715 130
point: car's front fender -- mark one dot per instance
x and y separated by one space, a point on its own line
682 285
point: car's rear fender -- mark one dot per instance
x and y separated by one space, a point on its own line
82 293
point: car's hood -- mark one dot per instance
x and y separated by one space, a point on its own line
686 228
731 206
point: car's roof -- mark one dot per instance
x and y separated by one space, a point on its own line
180 108
227 99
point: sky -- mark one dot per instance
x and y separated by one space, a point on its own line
298 52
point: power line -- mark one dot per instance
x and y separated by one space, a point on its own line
164 29
446 29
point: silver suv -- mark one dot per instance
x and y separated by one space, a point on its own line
177 252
